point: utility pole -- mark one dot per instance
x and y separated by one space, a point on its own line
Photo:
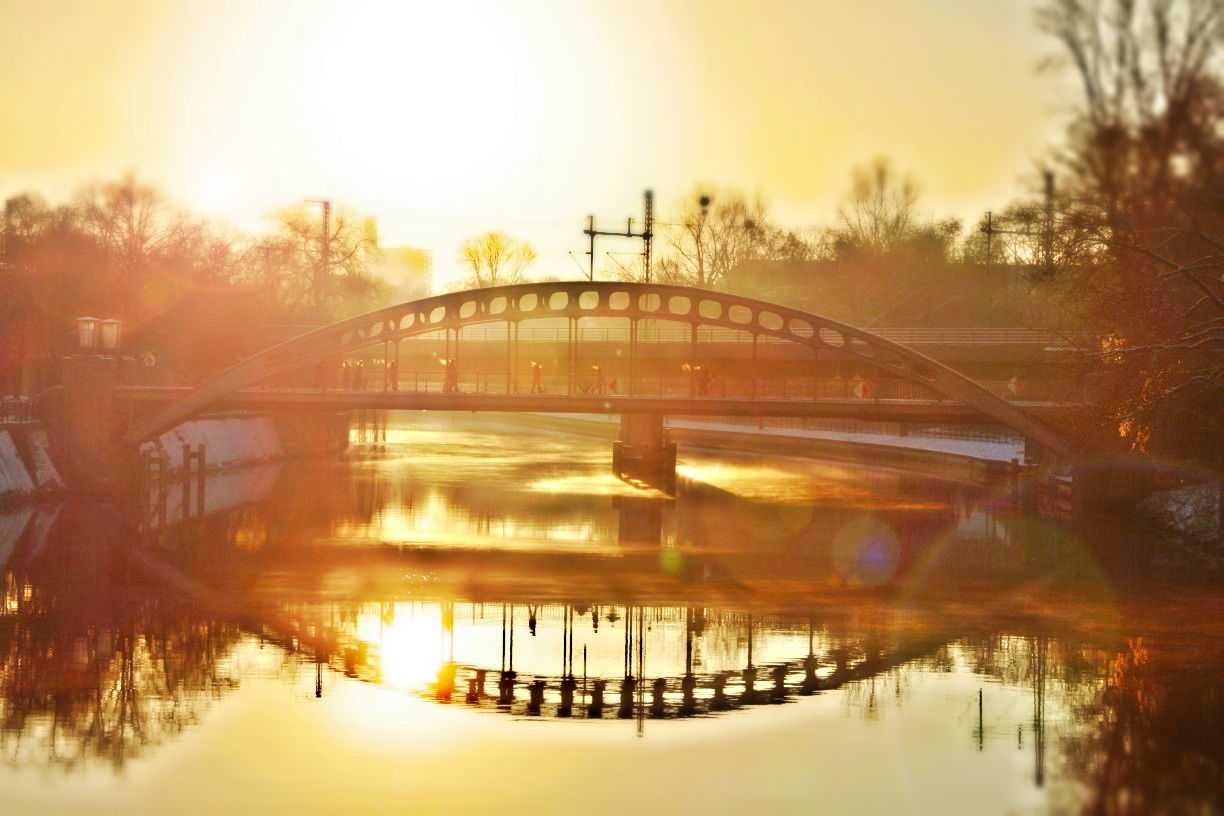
321 275
646 235
1047 230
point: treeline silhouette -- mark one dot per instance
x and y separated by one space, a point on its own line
198 292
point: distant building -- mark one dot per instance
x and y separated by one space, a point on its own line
408 271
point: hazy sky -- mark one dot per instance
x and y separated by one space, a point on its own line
445 119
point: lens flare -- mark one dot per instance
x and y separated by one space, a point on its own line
866 551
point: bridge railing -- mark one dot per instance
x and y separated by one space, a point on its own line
787 388
649 332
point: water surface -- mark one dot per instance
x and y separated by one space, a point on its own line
471 614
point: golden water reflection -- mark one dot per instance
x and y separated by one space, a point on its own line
408 590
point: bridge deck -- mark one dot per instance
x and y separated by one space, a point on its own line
926 411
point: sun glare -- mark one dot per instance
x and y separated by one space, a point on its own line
441 98
408 644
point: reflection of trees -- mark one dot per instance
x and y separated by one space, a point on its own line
1153 740
93 666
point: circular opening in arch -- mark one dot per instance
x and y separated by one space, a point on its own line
588 300
739 314
710 309
800 328
376 329
407 320
467 309
618 301
649 302
770 320
679 305
498 305
832 337
438 314
558 301
860 346
528 302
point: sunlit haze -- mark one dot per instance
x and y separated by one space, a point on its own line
442 120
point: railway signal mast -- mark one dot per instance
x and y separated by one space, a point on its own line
646 235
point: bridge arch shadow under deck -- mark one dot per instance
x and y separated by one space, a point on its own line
574 300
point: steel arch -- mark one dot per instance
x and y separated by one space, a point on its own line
578 299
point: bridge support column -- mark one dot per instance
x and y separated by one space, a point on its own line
645 451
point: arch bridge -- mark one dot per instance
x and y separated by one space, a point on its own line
642 308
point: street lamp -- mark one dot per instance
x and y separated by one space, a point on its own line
110 333
87 332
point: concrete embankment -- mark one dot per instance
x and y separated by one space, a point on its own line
245 439
970 460
26 469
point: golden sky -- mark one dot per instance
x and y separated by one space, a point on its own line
444 119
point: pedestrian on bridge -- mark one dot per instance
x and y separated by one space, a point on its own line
601 383
450 383
537 378
346 374
392 380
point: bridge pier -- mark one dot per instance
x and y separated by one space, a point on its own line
645 451
91 454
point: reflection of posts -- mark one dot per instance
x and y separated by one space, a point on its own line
778 693
719 703
657 705
687 686
476 686
595 709
628 686
537 697
811 684
505 689
568 684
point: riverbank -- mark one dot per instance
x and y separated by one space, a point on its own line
26 469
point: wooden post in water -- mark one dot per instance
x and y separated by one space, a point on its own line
200 481
186 481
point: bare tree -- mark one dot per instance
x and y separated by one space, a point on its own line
142 236
711 232
293 257
1145 156
879 214
495 259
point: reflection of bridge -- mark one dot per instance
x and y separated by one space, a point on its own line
302 371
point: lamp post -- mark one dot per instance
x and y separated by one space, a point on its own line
704 201
87 332
89 420
110 329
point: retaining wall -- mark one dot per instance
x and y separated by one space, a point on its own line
26 469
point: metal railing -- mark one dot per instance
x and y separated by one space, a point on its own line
788 388
648 333
17 409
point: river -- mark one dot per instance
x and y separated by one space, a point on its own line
470 614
